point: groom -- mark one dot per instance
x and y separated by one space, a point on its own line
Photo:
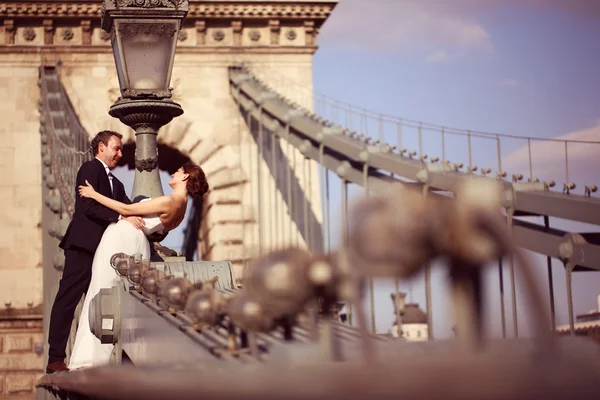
83 237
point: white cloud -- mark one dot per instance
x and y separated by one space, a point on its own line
509 82
437 56
398 26
548 158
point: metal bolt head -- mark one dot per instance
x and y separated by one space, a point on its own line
250 315
136 271
175 292
120 262
466 240
149 281
517 177
205 307
388 234
279 280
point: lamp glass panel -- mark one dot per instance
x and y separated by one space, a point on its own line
121 72
147 52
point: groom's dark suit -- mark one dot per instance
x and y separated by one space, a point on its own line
83 235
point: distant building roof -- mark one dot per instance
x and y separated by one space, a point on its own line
588 317
413 314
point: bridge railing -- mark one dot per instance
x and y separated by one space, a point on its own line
375 165
566 162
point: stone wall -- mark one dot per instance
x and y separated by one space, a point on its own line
21 284
20 352
20 186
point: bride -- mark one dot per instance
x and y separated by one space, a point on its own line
161 214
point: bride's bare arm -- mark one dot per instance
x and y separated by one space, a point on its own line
158 205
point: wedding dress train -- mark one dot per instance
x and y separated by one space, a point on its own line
121 237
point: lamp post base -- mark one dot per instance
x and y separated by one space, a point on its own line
146 117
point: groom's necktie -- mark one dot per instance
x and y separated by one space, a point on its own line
110 180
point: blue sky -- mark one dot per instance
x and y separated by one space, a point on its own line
527 68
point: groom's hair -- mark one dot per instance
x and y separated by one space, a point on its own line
104 137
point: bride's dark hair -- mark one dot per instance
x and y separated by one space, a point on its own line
196 182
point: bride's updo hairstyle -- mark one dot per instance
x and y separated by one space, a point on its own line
196 181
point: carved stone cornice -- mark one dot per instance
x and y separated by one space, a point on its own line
205 19
10 317
302 9
22 325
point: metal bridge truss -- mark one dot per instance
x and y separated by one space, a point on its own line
376 167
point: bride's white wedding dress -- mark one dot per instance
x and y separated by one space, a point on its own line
121 237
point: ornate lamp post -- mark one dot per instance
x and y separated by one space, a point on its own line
144 37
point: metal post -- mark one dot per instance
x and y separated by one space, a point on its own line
421 140
466 295
344 185
290 200
498 149
310 207
250 162
502 312
273 224
550 280
323 190
259 174
530 161
305 161
328 210
470 155
566 162
512 279
397 307
295 229
428 301
569 272
399 128
241 172
443 147
371 283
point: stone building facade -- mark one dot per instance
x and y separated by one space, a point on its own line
279 35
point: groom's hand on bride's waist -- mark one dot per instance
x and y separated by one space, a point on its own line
138 222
